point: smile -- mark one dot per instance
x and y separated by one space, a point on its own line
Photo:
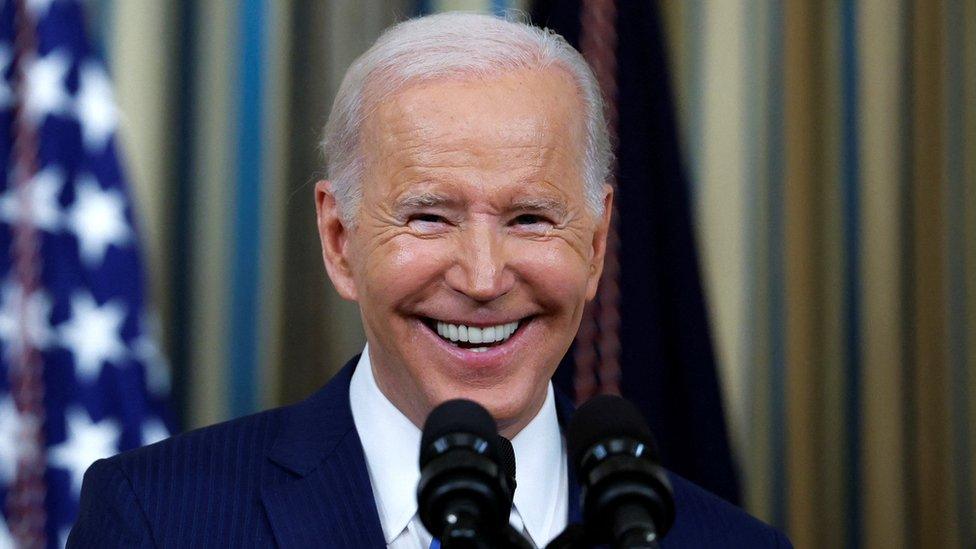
474 338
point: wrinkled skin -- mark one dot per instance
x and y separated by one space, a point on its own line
473 213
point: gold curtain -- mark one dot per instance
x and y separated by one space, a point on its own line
848 172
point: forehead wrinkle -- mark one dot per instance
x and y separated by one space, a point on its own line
406 130
412 141
454 167
471 154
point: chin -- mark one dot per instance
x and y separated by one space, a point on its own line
507 405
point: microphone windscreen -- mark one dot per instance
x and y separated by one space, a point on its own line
602 417
458 416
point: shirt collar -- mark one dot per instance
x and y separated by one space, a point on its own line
391 443
540 472
392 447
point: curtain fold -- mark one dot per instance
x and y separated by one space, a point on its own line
860 275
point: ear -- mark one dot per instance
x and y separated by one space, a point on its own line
600 243
334 237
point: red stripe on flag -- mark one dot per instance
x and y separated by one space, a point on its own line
25 500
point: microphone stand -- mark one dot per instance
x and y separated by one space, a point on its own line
633 528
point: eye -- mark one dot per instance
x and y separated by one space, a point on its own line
530 224
530 219
427 218
427 222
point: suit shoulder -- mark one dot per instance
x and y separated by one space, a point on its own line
703 519
251 430
109 514
223 452
207 487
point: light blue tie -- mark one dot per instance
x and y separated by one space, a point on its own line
435 544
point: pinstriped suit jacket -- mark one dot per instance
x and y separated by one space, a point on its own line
296 477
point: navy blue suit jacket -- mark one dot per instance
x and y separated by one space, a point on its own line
296 477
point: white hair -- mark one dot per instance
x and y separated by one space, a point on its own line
454 45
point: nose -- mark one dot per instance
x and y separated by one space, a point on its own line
480 270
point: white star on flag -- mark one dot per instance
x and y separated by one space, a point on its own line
6 538
92 335
44 211
87 442
97 218
14 327
39 8
95 107
46 90
10 440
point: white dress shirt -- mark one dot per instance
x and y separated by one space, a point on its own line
392 447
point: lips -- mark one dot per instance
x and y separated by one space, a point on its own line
474 338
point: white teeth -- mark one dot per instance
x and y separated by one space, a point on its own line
474 334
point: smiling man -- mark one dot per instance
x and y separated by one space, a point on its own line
466 213
473 248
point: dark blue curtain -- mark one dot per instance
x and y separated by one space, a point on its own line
667 359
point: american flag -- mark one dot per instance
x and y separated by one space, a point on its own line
80 376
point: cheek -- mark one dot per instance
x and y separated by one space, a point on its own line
402 266
555 271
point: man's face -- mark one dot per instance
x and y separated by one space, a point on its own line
473 224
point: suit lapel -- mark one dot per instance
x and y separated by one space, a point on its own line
564 412
328 501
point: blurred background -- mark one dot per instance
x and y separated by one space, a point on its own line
800 184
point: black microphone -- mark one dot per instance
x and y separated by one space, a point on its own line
627 499
464 496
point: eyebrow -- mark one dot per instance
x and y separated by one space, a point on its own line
524 203
422 200
540 204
